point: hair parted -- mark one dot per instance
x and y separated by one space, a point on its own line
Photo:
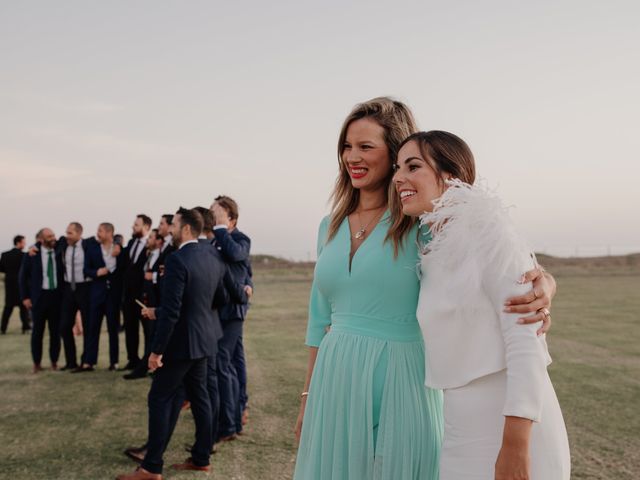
447 153
398 123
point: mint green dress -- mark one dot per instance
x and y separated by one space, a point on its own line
368 414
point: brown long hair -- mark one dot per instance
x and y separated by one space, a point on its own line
447 152
398 123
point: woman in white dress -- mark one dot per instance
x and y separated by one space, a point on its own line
502 418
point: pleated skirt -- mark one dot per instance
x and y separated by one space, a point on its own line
369 414
473 432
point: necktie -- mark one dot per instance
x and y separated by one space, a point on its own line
147 266
73 269
50 275
134 250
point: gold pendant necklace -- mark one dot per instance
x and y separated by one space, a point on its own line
360 233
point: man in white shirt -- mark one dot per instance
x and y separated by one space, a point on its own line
136 257
75 291
39 281
149 298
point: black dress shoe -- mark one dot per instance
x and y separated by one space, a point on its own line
113 367
129 366
135 375
188 448
136 453
68 367
82 369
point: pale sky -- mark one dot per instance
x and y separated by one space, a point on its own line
109 109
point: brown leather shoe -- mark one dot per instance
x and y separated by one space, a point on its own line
189 465
37 368
228 438
139 474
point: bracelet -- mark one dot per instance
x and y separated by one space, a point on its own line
304 394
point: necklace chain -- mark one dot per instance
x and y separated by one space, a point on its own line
360 233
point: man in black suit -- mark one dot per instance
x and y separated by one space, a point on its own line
102 262
40 279
75 291
10 262
185 336
135 256
234 247
150 297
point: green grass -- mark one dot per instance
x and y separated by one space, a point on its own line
60 426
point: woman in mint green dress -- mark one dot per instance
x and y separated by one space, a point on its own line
366 413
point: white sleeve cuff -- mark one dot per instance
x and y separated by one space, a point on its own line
218 227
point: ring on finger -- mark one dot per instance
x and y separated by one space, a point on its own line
545 312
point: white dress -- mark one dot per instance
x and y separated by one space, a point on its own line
488 366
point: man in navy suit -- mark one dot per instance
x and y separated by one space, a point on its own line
234 247
10 262
40 279
185 336
75 291
102 262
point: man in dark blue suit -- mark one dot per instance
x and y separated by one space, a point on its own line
185 336
10 262
75 291
102 262
39 279
234 247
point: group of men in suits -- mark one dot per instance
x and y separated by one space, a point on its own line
187 283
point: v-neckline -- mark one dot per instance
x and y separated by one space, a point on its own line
383 217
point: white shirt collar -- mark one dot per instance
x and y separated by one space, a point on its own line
187 243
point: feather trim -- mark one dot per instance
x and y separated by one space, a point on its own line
471 227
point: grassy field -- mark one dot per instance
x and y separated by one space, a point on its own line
60 426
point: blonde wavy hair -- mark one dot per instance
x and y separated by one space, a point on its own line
398 123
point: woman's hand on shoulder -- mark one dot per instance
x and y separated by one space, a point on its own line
536 301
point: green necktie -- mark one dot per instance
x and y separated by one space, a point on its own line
50 276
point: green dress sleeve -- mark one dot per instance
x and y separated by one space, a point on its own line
319 305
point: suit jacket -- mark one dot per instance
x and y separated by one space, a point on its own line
160 263
150 289
235 248
31 275
133 272
187 325
62 246
93 261
10 262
